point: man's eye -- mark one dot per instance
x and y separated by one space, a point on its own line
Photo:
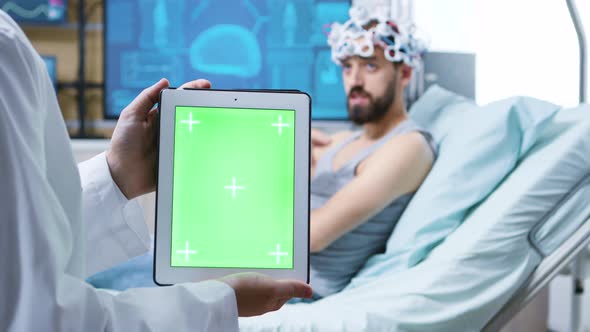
346 68
371 66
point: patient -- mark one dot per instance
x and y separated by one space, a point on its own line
363 180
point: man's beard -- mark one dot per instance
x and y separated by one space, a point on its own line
376 108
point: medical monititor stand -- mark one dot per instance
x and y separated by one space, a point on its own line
579 265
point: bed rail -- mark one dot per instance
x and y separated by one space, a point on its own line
545 273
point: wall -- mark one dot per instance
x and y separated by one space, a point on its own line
524 47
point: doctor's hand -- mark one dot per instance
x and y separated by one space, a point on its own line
257 294
132 155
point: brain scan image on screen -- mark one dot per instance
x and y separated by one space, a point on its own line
243 59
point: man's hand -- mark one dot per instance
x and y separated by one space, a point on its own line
257 294
318 139
132 155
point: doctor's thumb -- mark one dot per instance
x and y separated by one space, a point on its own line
148 97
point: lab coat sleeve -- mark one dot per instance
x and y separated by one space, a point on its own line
40 265
114 226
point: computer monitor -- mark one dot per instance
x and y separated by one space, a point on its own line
236 44
36 11
51 64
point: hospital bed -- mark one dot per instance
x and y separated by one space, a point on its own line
468 271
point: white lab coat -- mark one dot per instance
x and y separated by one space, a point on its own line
55 229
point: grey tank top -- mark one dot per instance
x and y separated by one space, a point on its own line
332 268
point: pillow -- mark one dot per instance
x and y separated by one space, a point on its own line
478 147
438 109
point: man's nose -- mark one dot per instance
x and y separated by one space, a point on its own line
357 77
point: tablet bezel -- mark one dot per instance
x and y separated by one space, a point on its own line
300 103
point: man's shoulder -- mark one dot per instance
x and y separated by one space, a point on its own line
414 139
413 142
407 146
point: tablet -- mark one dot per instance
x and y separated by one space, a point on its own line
233 184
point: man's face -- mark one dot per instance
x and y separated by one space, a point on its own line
370 85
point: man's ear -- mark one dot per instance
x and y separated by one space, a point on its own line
405 74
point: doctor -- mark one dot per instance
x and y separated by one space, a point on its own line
56 227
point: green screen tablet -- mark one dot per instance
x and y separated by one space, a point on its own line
233 185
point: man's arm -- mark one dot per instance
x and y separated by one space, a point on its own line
398 167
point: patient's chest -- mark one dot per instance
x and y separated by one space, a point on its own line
348 152
334 169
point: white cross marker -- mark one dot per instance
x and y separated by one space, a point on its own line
186 251
233 187
190 122
278 254
280 124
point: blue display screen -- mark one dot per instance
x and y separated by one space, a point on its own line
236 44
35 11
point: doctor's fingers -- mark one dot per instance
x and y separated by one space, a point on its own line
144 102
197 84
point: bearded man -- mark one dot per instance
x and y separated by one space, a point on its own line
363 180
